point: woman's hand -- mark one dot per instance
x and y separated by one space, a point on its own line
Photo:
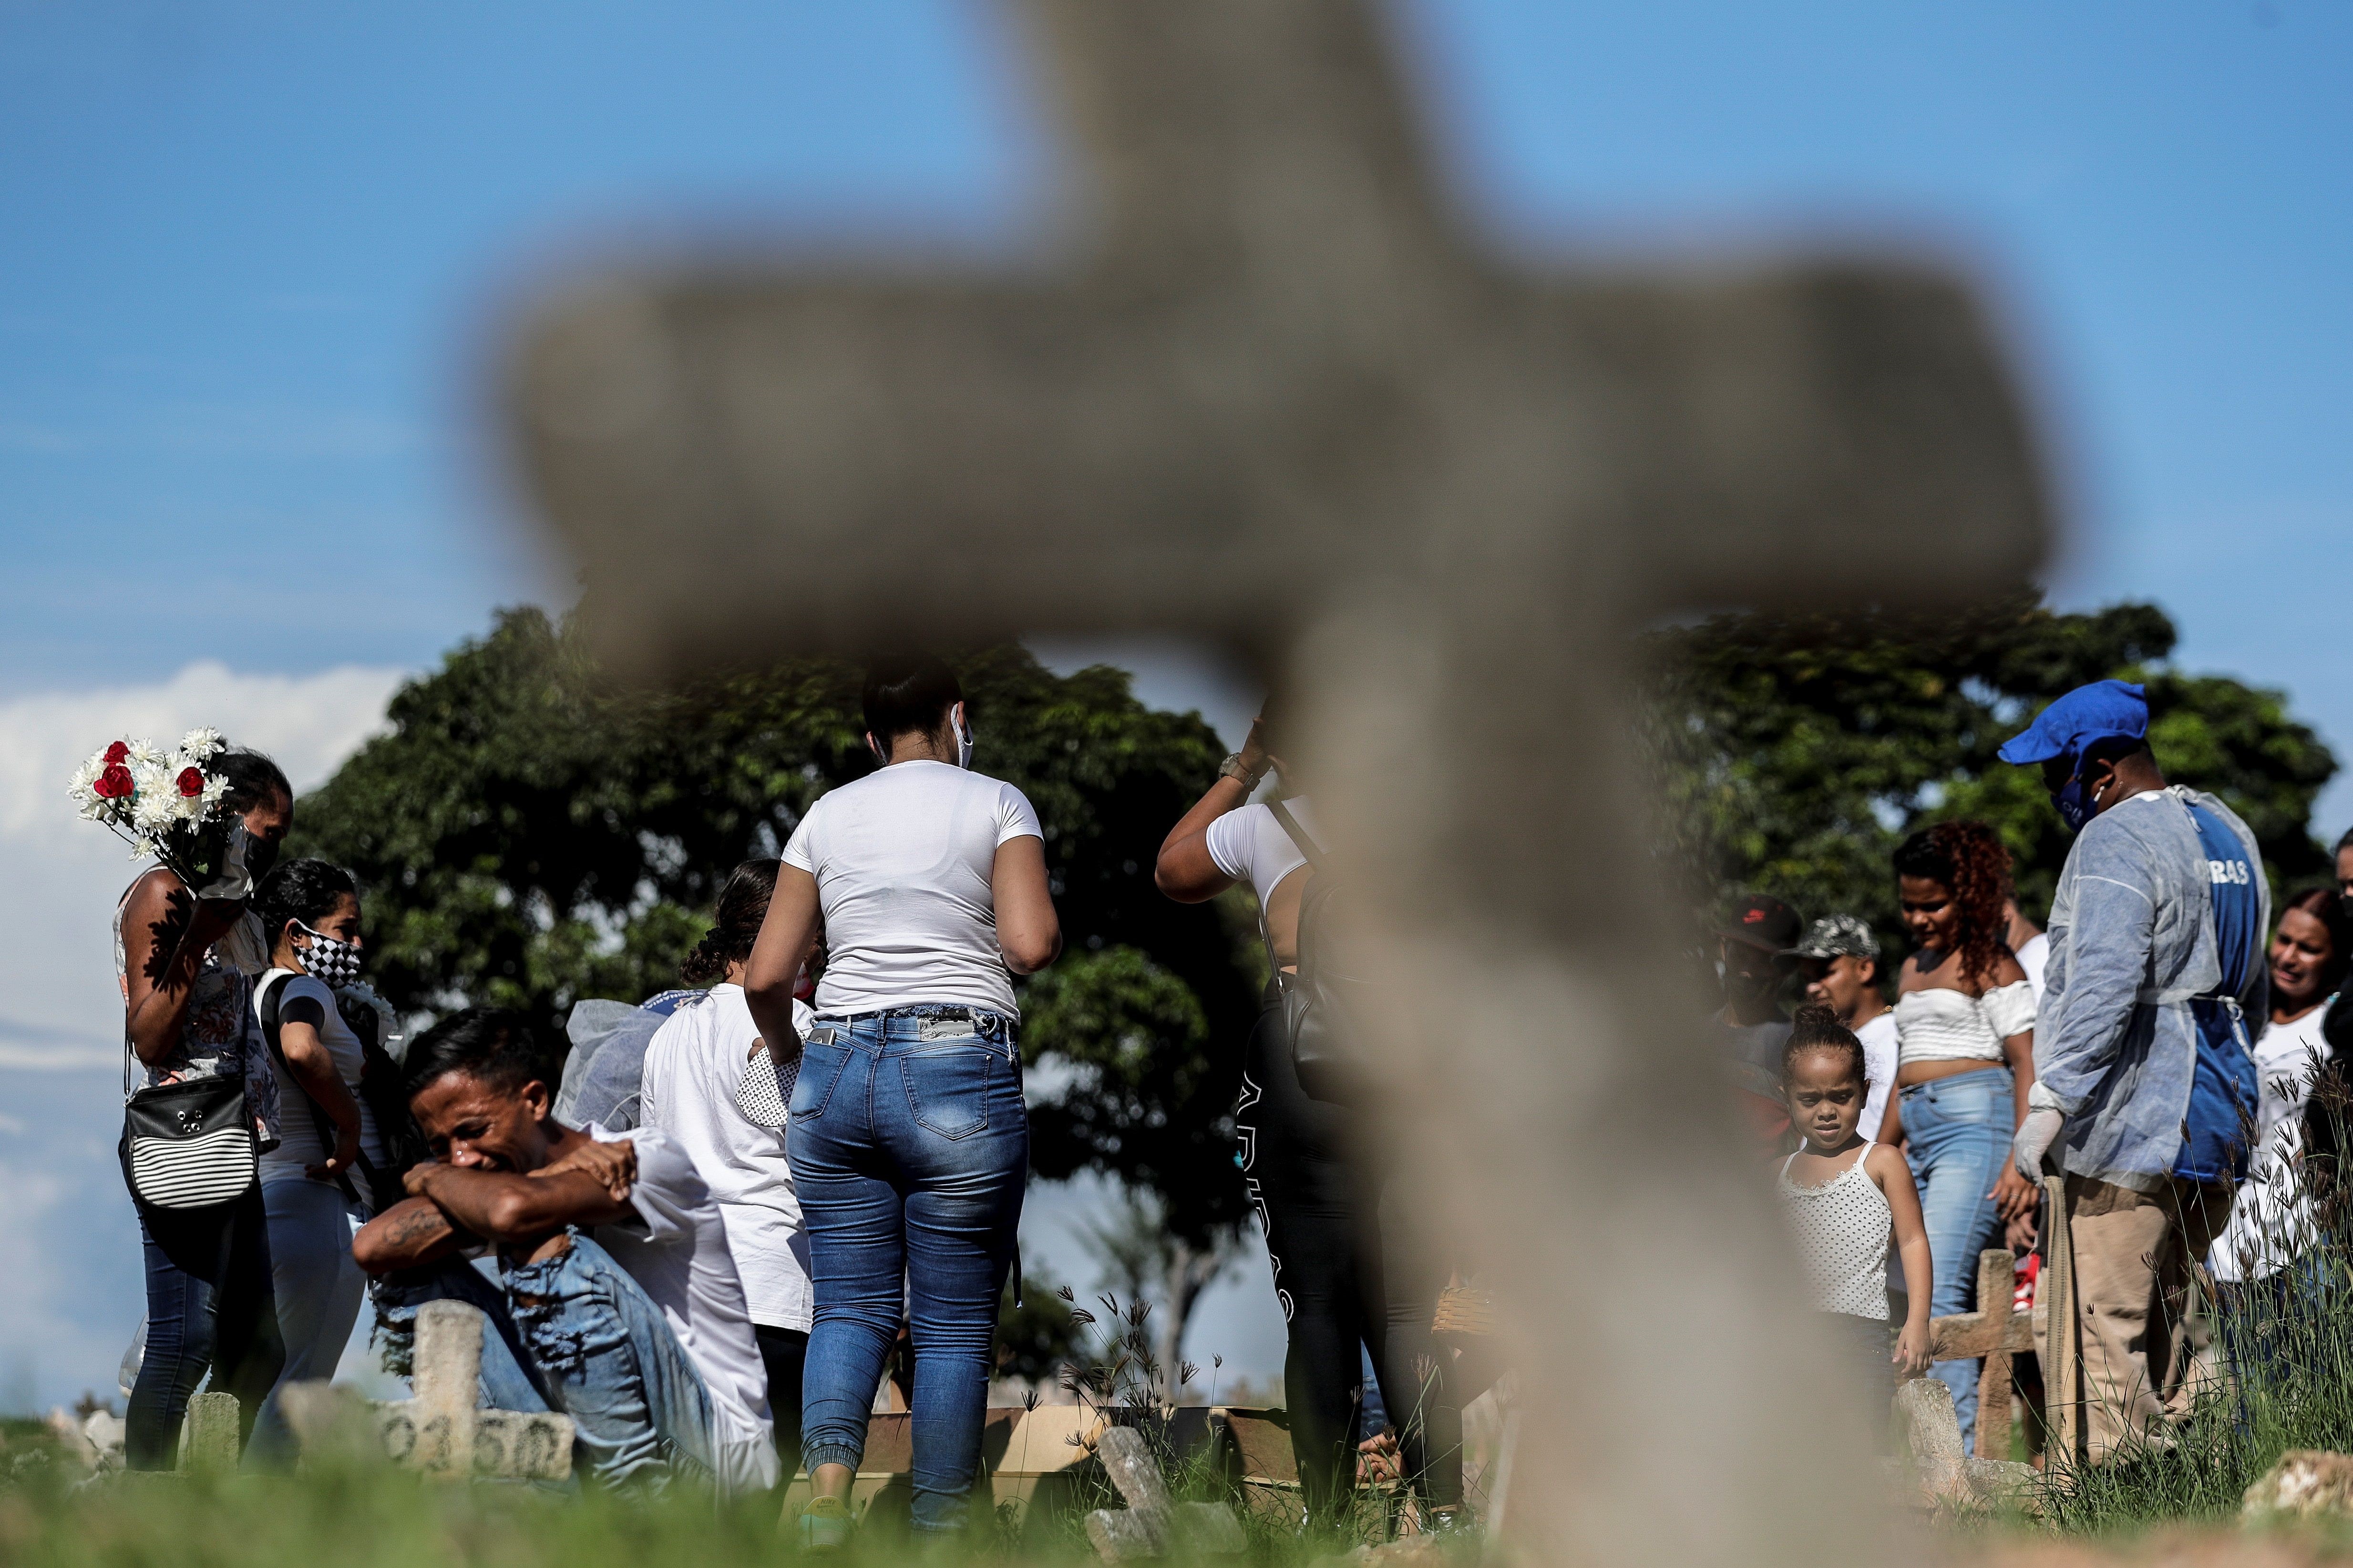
1253 753
1911 1355
347 1155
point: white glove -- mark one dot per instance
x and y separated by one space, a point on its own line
2035 1136
231 883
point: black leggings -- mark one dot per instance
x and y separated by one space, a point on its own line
1343 1279
782 1352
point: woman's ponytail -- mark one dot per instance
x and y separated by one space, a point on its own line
742 907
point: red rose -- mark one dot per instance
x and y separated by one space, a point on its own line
115 784
117 754
191 781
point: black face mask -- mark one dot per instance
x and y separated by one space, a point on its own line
260 854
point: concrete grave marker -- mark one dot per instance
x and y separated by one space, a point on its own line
1258 385
444 1432
1154 1524
209 1440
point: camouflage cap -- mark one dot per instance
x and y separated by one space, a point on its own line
1834 934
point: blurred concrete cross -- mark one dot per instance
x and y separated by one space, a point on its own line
1258 385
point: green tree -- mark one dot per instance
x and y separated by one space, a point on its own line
1792 753
529 837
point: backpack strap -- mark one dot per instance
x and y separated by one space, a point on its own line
1298 836
265 1000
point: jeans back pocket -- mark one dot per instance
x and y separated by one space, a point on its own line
821 1070
948 1088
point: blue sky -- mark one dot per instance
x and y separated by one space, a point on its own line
256 253
256 259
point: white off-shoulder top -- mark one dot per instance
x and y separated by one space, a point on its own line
1953 1025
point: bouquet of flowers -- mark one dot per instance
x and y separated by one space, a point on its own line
163 804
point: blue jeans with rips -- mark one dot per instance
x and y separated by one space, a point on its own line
574 1334
1959 1131
910 1148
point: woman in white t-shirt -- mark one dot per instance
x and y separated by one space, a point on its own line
312 1189
711 1084
909 1139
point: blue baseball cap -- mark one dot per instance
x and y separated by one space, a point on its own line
2104 710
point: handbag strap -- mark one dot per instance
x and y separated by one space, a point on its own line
265 1004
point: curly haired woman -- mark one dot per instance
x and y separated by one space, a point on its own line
1964 1059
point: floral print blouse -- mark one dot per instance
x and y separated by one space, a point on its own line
222 1035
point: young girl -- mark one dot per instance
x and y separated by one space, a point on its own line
315 1189
1844 1196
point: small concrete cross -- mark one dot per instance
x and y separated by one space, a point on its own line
443 1431
1260 387
1997 1332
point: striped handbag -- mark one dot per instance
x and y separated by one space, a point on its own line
189 1145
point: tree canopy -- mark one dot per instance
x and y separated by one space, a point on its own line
529 837
1793 753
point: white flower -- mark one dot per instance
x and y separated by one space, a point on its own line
146 752
201 743
81 789
141 848
158 804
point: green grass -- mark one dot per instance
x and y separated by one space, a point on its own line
376 1516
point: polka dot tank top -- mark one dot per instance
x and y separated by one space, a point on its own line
1843 1229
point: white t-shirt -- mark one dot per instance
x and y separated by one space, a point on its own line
1878 1038
2031 958
675 1247
299 1145
2272 1220
1249 846
904 860
692 1067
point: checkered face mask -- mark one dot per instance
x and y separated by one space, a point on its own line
328 958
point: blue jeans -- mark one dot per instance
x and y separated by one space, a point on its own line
1960 1129
910 1147
318 1288
208 1307
574 1332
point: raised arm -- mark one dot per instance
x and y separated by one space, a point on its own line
167 932
1029 932
777 958
1185 870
